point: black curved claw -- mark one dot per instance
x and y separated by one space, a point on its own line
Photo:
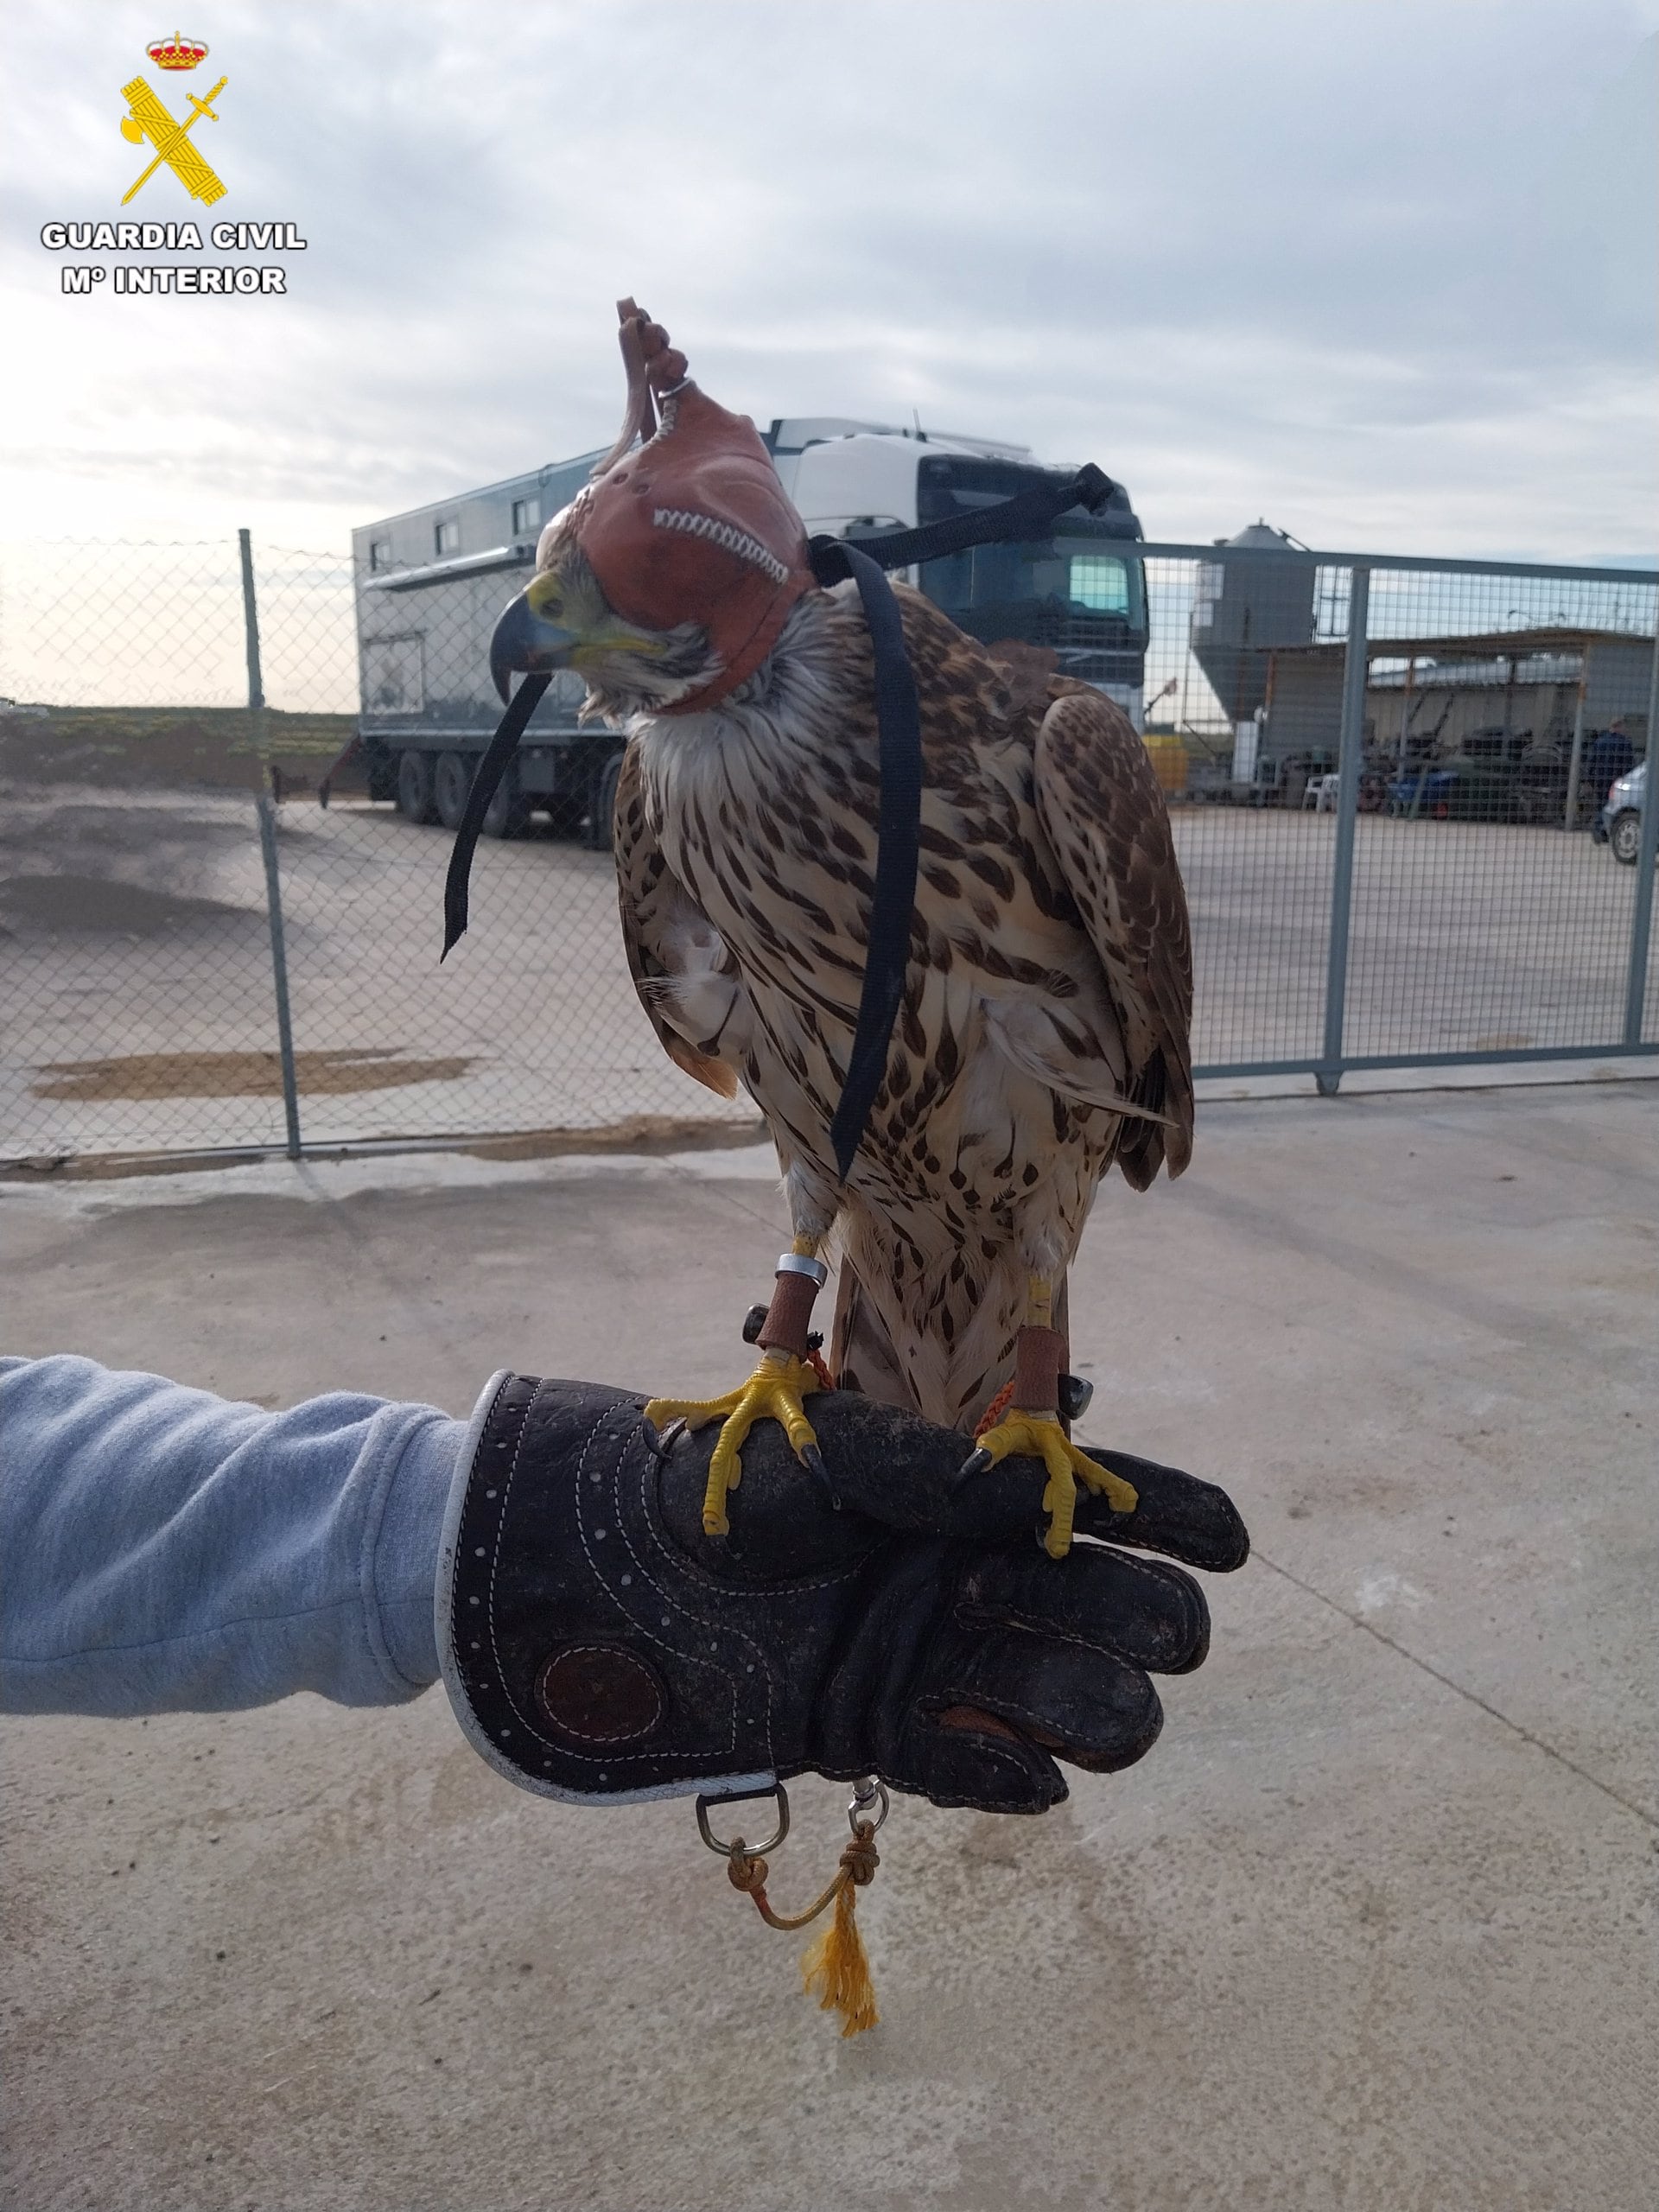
660 1446
975 1463
813 1459
1075 1396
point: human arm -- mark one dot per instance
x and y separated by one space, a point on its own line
164 1549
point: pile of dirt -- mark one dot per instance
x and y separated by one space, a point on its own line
238 1074
158 748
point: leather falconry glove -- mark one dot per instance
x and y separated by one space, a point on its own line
887 1619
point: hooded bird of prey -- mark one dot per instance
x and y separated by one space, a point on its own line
1043 1033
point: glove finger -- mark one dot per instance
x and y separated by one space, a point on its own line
1140 1611
902 1471
1176 1514
964 1757
1085 1706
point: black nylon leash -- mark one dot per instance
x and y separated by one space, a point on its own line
898 847
1030 513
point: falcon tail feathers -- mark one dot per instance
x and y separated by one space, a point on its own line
715 1075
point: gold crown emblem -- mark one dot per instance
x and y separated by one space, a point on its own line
177 53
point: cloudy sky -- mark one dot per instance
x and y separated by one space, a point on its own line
1381 271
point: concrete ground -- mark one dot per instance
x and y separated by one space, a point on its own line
1370 1928
137 1011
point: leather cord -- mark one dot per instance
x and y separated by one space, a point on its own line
1030 513
886 953
490 771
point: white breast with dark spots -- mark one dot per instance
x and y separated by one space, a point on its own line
986 1143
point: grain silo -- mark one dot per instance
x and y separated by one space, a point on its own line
1244 608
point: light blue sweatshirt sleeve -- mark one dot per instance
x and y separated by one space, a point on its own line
165 1550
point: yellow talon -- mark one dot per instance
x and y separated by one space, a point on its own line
1039 1436
774 1392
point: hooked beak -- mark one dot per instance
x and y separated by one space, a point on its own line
525 640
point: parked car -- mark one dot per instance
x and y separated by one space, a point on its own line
1481 787
1619 823
1422 792
1460 792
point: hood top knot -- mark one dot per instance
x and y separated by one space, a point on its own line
693 525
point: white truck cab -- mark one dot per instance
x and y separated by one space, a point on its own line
1081 591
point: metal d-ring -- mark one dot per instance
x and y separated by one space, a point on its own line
751 1849
866 1794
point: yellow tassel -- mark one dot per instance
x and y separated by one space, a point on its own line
836 1972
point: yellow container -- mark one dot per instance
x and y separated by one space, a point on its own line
1168 757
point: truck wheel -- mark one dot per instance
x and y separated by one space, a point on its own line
414 786
451 783
601 814
508 811
1624 835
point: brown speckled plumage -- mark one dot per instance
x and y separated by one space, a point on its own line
1050 979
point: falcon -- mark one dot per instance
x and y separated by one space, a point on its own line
1043 1034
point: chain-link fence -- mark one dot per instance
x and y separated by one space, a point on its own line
227 782
1391 780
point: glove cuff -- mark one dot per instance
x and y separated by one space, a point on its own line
585 1657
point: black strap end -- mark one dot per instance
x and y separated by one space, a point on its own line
1095 488
490 769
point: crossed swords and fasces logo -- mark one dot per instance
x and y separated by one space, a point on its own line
151 120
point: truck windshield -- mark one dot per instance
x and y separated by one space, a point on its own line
1081 592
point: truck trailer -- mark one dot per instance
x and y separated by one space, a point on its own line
430 584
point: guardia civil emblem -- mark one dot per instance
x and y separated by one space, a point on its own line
149 118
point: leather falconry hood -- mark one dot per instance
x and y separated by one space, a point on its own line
693 525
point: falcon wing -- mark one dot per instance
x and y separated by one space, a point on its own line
1103 813
686 978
